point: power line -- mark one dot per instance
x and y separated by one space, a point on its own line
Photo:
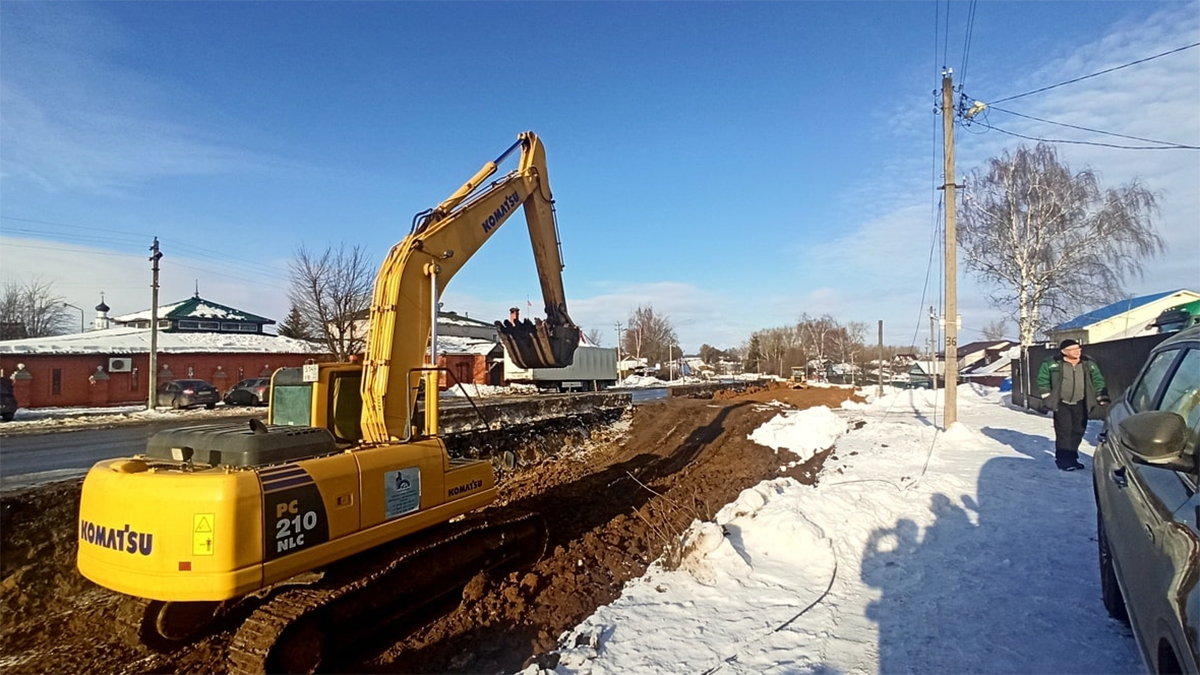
1102 72
1101 145
962 76
218 258
1169 145
946 35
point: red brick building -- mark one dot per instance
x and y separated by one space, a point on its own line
196 338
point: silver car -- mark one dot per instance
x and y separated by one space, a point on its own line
1146 479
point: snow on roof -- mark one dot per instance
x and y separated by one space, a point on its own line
126 340
455 319
1115 309
194 308
453 344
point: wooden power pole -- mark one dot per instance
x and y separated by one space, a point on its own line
951 412
155 256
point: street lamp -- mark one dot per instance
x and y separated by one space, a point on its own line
67 304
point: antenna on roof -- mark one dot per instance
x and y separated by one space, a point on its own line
197 288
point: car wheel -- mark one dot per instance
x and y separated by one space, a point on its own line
210 406
1110 591
7 417
175 404
254 400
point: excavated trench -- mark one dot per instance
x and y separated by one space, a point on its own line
615 488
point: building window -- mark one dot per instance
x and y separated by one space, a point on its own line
56 382
248 327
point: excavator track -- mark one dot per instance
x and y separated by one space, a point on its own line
298 628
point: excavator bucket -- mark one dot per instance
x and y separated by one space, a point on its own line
539 344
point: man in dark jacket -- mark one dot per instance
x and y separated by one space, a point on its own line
1072 386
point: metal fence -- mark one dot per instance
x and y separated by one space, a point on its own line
1119 361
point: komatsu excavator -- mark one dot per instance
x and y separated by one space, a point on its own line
335 514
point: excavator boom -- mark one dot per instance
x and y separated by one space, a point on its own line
418 268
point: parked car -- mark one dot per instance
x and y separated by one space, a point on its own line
8 400
255 391
187 393
1146 479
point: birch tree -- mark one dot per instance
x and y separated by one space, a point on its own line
1052 243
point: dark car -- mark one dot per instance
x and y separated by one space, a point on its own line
1146 479
8 400
255 391
187 393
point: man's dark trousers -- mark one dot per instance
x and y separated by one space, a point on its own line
1070 421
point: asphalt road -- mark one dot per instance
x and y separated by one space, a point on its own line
29 459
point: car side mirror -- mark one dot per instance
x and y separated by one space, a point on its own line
1156 438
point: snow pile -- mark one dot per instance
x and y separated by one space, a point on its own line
918 550
804 432
727 589
487 391
640 382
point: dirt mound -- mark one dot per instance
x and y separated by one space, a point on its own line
612 500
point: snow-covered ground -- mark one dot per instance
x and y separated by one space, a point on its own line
921 550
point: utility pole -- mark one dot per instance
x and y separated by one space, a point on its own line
153 394
618 348
933 351
951 410
879 389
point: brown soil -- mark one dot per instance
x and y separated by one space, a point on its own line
613 501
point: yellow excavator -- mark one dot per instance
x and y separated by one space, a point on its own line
341 505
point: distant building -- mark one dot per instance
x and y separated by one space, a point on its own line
194 315
1123 319
197 338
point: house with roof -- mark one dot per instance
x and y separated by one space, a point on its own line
1122 319
193 315
109 365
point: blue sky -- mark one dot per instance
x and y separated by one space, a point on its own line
733 164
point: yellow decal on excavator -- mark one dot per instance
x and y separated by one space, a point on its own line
202 533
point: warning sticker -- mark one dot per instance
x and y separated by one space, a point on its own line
402 491
202 533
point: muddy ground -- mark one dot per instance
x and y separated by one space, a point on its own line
613 498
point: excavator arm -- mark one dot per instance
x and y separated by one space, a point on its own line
412 278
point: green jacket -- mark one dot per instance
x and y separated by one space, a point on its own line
1049 381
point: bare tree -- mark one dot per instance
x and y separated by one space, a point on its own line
650 336
816 333
595 336
333 294
31 308
847 341
1053 243
996 330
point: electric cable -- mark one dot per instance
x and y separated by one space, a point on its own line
1101 72
1178 146
962 75
1092 143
